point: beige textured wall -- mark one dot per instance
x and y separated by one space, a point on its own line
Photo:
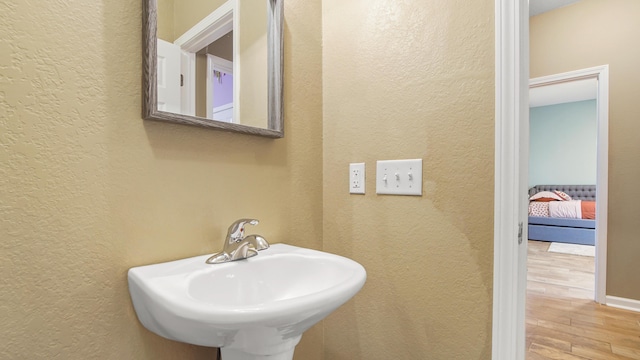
201 85
190 12
174 21
165 20
253 63
88 189
411 79
592 33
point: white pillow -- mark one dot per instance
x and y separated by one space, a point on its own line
550 196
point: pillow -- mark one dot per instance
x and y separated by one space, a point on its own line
546 196
545 199
563 195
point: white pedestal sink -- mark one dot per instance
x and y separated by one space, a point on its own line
252 309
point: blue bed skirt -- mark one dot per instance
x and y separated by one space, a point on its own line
573 231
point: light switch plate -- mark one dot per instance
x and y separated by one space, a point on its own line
399 177
356 178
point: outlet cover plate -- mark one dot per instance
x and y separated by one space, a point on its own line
356 178
399 177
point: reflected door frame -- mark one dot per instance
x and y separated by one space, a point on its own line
188 83
216 63
214 26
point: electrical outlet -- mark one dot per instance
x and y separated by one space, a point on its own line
356 178
399 177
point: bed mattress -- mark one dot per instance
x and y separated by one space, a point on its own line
577 223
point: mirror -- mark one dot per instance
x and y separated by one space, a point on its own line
215 64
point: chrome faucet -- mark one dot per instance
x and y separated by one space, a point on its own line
237 246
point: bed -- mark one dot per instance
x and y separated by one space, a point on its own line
560 229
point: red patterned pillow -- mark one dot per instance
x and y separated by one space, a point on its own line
538 209
545 196
563 195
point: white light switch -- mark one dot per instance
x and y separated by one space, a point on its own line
356 178
399 177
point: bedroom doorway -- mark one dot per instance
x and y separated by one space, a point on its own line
579 92
510 202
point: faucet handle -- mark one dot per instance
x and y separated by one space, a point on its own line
236 230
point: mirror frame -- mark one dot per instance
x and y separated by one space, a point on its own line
275 114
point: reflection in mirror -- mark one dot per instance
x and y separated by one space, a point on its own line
216 64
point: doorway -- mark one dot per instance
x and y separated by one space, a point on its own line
511 200
579 82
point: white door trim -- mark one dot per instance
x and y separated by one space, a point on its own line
209 29
188 88
220 22
601 73
168 71
511 159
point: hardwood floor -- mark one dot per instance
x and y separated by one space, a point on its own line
563 321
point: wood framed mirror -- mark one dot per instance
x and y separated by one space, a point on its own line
246 77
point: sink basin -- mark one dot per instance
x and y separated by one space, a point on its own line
256 308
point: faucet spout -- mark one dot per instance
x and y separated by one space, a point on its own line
258 242
246 250
237 246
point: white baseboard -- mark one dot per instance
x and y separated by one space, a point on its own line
623 303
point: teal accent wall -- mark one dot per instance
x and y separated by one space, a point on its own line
563 143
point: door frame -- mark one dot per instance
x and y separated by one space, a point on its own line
220 64
601 74
511 175
224 19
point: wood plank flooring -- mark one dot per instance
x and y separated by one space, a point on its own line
563 321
